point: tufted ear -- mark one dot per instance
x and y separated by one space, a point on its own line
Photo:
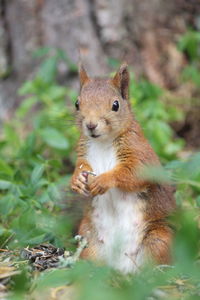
121 81
83 77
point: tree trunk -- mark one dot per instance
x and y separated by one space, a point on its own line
144 33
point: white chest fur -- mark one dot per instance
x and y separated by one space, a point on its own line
117 216
101 156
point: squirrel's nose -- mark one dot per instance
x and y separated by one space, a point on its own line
91 126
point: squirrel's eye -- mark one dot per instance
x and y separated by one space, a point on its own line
115 106
77 105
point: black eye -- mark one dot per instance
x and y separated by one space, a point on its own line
115 106
77 105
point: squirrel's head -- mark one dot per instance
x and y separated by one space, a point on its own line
103 108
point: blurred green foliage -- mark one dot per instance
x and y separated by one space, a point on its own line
189 43
37 158
155 116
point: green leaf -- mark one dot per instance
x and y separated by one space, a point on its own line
57 92
2 230
42 51
5 168
53 278
5 185
54 138
44 198
7 205
54 193
155 174
173 148
37 240
198 201
12 136
47 69
189 43
25 106
26 88
191 73
37 174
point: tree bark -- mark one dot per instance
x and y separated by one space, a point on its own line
144 33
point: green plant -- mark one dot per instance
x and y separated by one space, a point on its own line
37 157
189 43
155 117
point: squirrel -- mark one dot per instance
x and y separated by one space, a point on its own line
126 221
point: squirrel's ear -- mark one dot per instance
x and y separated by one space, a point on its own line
82 75
121 80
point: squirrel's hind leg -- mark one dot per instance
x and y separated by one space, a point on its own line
157 243
86 230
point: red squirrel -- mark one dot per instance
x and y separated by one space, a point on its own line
125 224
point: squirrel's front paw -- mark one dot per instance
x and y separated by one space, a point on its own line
100 185
79 184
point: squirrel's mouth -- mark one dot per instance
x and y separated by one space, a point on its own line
95 136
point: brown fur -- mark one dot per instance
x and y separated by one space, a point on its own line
133 153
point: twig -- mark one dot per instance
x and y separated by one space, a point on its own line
71 260
7 240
